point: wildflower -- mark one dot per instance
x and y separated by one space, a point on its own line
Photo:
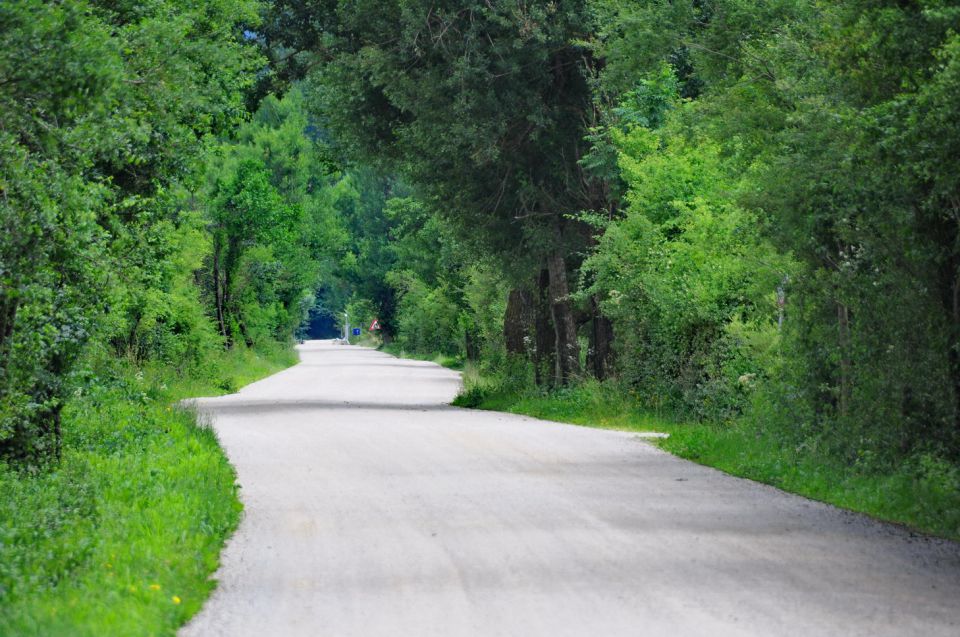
175 599
154 587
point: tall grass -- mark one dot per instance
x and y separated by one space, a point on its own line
121 537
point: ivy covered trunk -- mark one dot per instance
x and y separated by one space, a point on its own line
517 321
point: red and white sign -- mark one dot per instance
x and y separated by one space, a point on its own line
375 325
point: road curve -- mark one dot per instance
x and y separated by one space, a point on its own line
373 509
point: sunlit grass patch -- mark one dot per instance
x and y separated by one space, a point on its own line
122 536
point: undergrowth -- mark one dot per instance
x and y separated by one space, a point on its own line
121 536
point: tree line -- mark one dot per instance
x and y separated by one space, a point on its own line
152 210
735 211
738 210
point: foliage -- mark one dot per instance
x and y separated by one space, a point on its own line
427 280
273 224
459 99
686 277
758 199
116 505
428 317
99 122
360 199
480 107
809 121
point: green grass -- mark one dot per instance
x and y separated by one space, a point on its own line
121 537
233 370
923 493
451 362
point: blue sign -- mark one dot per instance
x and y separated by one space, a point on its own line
356 331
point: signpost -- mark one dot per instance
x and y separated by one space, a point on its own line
356 331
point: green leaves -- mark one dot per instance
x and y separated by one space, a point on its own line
683 265
271 208
480 106
827 130
104 110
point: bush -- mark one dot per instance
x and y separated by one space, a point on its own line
687 279
428 318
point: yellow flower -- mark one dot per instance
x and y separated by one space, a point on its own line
176 600
154 587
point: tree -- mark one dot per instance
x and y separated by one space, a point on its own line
838 117
482 107
104 108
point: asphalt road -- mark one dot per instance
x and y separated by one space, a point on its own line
374 509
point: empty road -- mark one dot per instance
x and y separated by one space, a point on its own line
374 509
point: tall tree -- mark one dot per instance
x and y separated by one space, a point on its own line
482 106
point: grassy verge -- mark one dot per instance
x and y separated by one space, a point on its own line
121 537
923 493
444 360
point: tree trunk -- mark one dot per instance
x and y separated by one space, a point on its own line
218 289
846 365
131 347
950 293
600 353
567 360
57 434
471 344
543 332
244 333
517 321
954 351
230 263
8 318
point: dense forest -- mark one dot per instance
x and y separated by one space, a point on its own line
739 215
